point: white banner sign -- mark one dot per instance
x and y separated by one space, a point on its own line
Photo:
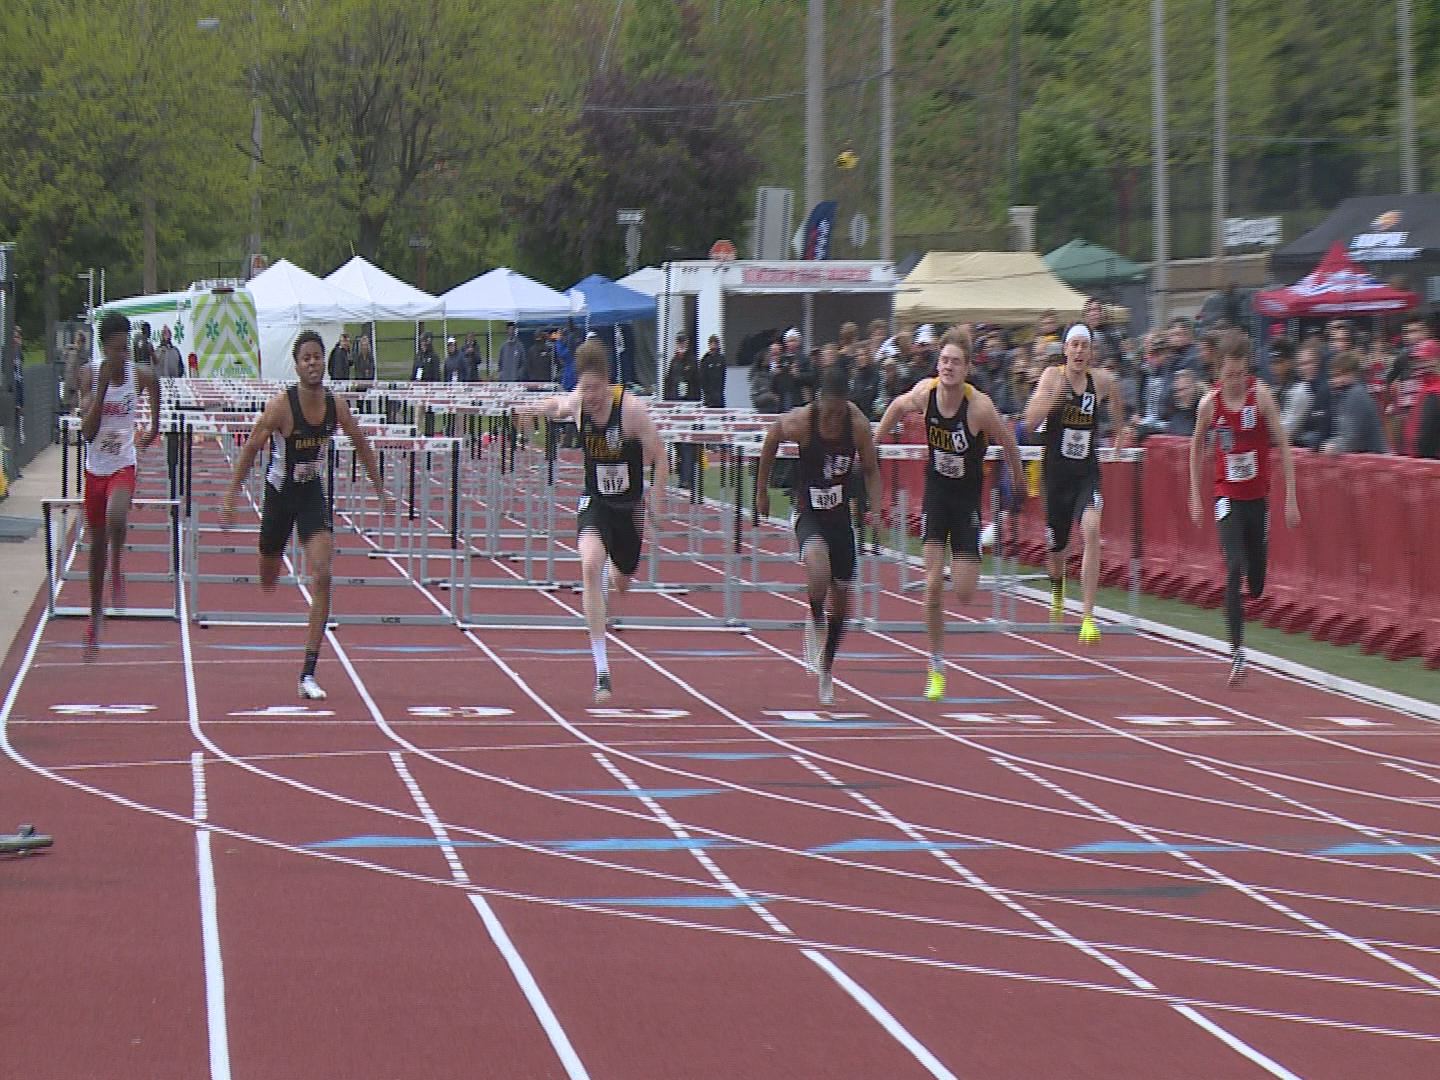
1252 232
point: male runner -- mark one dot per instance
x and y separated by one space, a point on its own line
831 434
1067 400
619 440
108 396
1240 420
298 425
960 424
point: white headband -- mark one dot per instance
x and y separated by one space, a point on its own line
1079 330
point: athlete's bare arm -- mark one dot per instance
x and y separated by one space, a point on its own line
869 459
785 429
150 387
92 398
1204 413
269 421
348 424
555 406
912 401
1047 391
989 421
1265 400
635 418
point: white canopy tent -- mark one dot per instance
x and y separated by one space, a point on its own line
289 299
391 299
1011 288
506 295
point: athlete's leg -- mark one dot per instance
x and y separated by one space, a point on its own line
117 521
934 601
270 566
1257 548
98 529
1233 548
592 573
319 550
835 628
1090 560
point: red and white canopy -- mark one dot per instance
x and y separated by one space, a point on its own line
1338 286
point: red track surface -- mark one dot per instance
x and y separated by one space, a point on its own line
1231 948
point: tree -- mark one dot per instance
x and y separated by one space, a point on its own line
386 112
656 143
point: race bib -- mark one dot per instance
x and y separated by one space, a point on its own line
110 444
306 471
1241 467
827 498
1222 508
684 389
612 479
584 502
1075 443
949 465
419 374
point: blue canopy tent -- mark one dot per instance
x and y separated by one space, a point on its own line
608 304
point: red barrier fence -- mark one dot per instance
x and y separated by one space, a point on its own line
1363 567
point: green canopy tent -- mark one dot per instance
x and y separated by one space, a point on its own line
1083 265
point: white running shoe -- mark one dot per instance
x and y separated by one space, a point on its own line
812 646
310 689
827 688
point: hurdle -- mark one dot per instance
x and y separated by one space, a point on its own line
58 556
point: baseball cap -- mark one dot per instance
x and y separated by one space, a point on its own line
792 333
925 335
449 341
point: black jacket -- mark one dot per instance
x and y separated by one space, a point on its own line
426 367
682 379
338 366
712 379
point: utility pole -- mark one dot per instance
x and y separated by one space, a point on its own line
814 133
1160 275
1222 106
1409 178
887 132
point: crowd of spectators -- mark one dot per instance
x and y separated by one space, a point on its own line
1339 390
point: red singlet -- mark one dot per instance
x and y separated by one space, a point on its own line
1242 448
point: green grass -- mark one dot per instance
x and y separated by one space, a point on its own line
1409 677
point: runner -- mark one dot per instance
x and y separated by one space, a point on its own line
1240 420
108 397
619 440
831 433
1067 400
298 425
960 424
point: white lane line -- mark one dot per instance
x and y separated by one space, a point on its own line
1256 894
999 895
857 993
216 1021
524 978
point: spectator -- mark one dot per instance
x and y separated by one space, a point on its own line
850 344
1156 390
1339 337
1357 421
537 360
513 365
471 352
1104 340
764 397
364 361
1209 352
77 358
712 375
1285 383
1048 328
144 351
1403 381
456 369
169 364
1422 429
1314 425
1184 352
563 342
865 382
682 373
922 353
1185 398
337 366
426 367
800 385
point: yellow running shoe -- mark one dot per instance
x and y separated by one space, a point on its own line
935 686
1089 632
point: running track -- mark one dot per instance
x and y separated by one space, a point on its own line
1098 864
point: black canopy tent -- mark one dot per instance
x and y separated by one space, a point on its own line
1392 235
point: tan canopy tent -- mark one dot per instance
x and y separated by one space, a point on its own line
1008 288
